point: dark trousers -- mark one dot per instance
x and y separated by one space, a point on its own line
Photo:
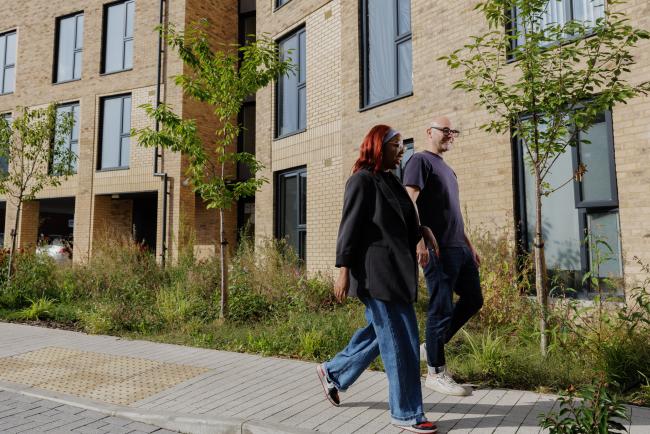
455 271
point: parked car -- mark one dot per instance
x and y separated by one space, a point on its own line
55 246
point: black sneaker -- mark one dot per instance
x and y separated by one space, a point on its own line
422 427
331 392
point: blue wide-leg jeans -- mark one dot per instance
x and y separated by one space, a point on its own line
392 332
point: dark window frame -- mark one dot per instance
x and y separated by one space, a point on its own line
100 143
584 208
102 69
299 172
76 50
279 101
365 60
6 66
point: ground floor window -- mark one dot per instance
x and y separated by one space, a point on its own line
580 221
291 209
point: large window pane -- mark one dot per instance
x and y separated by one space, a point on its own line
71 141
292 93
597 183
381 50
290 210
560 218
116 125
118 53
605 245
69 53
387 46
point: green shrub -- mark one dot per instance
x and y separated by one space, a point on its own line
34 277
41 308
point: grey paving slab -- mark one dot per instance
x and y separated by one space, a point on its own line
254 388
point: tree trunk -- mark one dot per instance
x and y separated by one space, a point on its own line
541 282
14 234
224 270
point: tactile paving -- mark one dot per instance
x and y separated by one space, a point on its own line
115 379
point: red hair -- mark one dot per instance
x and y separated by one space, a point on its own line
370 151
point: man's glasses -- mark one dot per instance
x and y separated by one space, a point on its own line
447 131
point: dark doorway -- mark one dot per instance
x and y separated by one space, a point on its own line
56 217
145 217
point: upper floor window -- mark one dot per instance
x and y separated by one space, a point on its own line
7 62
588 205
561 12
118 36
71 141
292 88
387 63
115 132
70 40
279 3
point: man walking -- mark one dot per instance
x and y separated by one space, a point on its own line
433 186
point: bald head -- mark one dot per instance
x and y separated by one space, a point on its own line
438 141
441 122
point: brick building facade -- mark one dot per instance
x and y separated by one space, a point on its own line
116 54
339 111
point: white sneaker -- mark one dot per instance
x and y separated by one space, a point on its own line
443 383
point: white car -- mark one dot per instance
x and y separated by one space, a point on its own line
56 247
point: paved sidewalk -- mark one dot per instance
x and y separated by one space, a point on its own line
24 414
202 391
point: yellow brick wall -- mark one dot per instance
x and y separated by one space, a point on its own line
482 162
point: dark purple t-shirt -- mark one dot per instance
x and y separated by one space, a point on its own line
438 202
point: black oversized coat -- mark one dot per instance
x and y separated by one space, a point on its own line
374 241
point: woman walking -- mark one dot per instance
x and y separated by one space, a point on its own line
375 253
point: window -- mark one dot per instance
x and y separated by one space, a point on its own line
292 209
72 138
118 36
70 41
4 159
585 206
279 3
115 132
408 153
560 12
7 62
292 88
387 72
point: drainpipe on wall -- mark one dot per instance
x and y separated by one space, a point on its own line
158 152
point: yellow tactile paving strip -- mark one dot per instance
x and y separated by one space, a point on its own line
115 379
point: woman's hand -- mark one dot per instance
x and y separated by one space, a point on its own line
342 284
429 240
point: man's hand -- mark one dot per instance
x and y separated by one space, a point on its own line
429 239
475 256
342 284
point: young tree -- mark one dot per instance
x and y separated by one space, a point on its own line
545 81
35 146
222 78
